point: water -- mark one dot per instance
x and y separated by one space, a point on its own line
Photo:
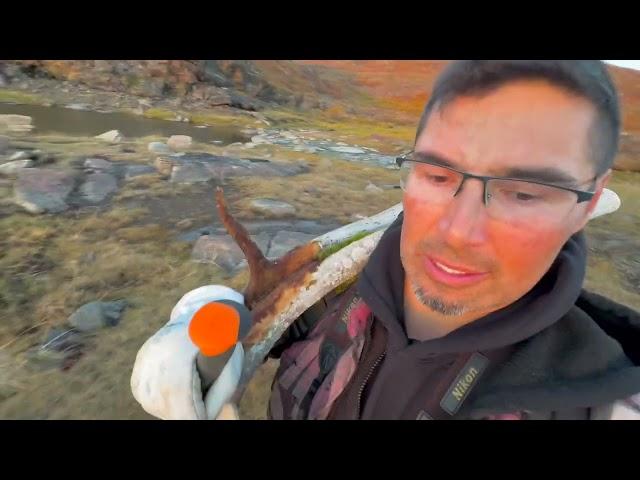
83 123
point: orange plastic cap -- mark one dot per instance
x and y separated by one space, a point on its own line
214 328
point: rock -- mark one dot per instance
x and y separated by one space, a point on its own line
132 171
200 167
98 164
79 106
352 150
209 93
97 187
222 250
163 166
62 340
44 358
159 147
289 136
11 168
371 188
127 150
190 173
179 142
184 224
112 136
41 158
12 119
284 241
274 207
19 155
20 128
257 139
41 190
313 227
4 144
95 315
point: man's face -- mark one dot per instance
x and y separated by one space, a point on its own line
526 125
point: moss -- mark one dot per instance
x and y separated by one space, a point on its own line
210 118
160 114
339 246
17 96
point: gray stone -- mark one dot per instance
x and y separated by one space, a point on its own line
199 167
351 150
12 119
284 241
20 128
4 144
79 106
371 188
11 168
41 190
258 139
62 340
222 250
98 164
191 173
179 142
131 171
95 315
163 165
19 155
313 227
277 208
97 187
112 136
159 147
253 227
184 224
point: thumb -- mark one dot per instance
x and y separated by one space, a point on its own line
228 412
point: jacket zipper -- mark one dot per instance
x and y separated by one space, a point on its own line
366 380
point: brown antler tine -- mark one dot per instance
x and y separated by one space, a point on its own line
264 275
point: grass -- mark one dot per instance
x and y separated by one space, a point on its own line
52 264
18 96
332 189
359 129
603 273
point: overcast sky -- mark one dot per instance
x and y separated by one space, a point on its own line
635 64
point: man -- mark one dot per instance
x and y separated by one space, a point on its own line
471 305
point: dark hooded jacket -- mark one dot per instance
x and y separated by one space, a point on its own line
559 352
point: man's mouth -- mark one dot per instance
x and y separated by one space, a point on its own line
452 274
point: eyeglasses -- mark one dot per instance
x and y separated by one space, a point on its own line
507 199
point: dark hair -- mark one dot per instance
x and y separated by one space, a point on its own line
586 78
